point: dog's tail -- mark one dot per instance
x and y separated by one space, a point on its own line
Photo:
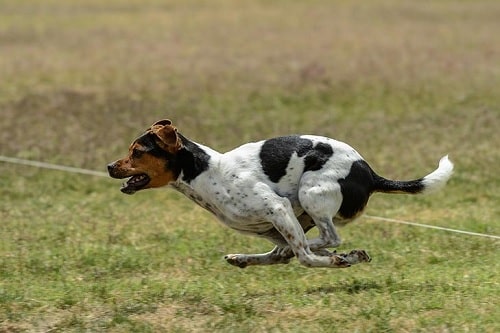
432 182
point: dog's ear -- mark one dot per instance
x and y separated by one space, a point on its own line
167 135
163 122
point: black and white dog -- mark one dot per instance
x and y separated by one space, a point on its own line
277 188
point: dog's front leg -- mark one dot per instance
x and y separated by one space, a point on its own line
281 254
278 255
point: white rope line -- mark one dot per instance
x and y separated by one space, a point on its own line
385 219
104 174
52 166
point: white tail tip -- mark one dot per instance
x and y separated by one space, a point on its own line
438 178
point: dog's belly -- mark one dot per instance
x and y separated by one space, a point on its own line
247 226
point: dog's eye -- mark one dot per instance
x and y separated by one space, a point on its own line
136 153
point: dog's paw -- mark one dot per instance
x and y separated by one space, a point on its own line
356 256
235 260
340 261
362 255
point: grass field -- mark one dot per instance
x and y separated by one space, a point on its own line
403 82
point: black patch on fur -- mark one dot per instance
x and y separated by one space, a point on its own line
356 189
317 157
275 155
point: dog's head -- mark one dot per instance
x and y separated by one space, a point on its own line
151 159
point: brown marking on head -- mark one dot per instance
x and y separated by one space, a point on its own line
150 160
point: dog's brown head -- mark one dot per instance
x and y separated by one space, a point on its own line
151 159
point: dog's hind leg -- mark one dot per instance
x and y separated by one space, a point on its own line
322 203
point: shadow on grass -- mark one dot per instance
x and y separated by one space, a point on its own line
390 285
350 287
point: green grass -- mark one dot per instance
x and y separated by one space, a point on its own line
403 82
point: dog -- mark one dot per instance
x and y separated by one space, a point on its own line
277 189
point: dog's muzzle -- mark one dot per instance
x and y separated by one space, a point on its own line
133 184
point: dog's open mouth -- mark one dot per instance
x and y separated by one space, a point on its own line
135 183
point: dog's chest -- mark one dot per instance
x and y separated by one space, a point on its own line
197 198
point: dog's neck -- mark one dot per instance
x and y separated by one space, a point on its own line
193 159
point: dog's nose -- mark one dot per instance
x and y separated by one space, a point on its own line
111 167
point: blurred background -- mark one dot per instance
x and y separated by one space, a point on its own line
80 79
403 82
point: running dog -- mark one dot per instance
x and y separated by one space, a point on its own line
277 189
